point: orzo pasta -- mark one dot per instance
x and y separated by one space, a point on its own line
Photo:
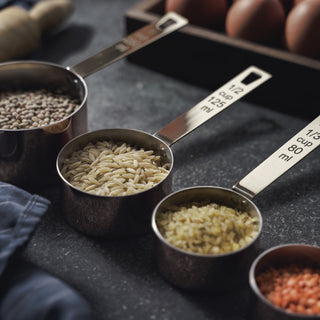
108 168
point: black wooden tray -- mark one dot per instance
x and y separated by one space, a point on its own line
208 58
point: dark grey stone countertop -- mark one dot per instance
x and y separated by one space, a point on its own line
119 277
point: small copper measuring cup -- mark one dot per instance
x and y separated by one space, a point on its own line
278 257
27 156
118 216
194 271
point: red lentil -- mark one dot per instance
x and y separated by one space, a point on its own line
294 288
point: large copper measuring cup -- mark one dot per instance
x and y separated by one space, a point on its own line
27 156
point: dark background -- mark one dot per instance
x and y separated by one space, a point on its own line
118 277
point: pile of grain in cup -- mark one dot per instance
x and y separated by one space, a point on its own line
207 228
108 168
293 287
27 109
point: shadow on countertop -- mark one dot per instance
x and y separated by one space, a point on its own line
59 45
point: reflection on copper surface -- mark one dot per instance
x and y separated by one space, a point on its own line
59 127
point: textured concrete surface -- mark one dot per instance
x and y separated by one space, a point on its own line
119 278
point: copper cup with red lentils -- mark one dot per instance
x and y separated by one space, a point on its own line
285 281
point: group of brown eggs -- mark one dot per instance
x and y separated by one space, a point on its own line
290 24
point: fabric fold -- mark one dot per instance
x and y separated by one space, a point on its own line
19 214
33 294
26 291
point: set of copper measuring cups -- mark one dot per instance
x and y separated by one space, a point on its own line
36 156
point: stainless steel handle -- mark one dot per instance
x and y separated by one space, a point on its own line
135 41
298 147
216 102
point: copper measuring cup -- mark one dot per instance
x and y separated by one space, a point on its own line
27 156
119 216
277 257
194 271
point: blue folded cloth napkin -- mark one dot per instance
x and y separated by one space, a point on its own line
19 213
26 4
26 291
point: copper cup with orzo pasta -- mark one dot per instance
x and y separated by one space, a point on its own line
112 180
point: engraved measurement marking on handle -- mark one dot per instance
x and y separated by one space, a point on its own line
219 100
305 141
233 90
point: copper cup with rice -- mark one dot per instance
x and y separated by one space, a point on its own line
206 238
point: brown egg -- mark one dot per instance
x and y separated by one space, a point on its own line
302 31
256 20
208 13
